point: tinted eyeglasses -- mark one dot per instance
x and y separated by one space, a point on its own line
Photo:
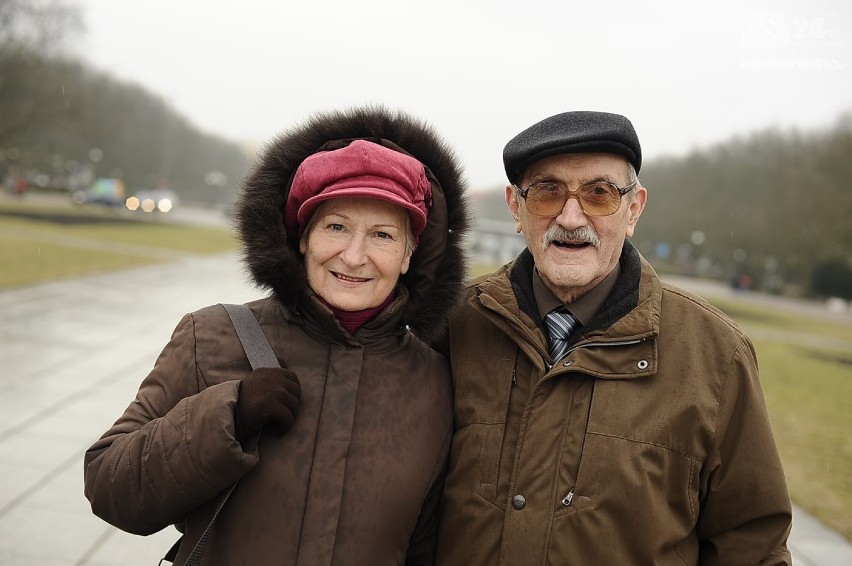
598 198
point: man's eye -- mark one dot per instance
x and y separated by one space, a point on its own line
546 187
598 189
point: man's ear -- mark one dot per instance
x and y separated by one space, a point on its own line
634 211
514 206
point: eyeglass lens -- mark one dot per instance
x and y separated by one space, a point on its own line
596 199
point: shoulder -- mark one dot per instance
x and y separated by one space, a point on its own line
218 349
266 310
681 304
705 336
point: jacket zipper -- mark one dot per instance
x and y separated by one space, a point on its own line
593 345
569 497
604 345
566 501
512 393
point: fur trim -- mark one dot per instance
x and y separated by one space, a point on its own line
438 266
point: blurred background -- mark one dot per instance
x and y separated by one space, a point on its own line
743 108
126 128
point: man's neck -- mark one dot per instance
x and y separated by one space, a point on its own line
583 304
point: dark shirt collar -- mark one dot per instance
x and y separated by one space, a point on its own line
584 308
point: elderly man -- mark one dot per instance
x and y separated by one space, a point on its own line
602 416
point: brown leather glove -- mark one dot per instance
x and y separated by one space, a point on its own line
266 396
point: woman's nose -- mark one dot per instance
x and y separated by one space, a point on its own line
355 251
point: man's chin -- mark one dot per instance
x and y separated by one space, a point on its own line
567 278
573 258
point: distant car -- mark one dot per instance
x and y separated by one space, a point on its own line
152 200
105 191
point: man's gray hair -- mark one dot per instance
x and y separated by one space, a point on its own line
632 177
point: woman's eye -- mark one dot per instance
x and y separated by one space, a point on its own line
384 235
335 227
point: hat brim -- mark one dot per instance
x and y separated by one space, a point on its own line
306 211
592 146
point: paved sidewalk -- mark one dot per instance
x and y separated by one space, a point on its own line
73 354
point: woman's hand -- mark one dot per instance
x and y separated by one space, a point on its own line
266 396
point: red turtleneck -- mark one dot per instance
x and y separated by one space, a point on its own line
353 320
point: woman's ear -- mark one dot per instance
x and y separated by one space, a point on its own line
406 262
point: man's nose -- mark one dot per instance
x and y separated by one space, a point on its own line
572 215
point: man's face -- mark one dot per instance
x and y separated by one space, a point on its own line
573 251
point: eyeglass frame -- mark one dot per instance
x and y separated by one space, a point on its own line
576 194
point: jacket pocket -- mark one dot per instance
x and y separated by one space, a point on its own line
488 467
620 477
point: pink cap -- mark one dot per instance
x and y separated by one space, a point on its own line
361 169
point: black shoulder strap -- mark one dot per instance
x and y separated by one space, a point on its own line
257 347
260 355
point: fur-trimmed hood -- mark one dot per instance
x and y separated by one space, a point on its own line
438 266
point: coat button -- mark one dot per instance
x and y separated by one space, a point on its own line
519 502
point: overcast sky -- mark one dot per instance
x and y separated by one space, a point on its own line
480 71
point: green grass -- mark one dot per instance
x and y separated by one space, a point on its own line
810 403
46 242
27 262
748 315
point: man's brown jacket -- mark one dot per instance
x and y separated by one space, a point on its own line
649 443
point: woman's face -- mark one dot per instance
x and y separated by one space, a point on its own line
355 250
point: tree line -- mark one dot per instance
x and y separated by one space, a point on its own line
63 123
772 207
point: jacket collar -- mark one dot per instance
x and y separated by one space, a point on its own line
319 321
620 340
623 298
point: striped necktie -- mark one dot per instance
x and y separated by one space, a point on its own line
560 323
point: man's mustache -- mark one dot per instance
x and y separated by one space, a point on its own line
583 234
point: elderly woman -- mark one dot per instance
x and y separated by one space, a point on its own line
354 222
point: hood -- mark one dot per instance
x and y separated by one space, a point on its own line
438 266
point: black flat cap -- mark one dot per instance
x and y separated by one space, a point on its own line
572 132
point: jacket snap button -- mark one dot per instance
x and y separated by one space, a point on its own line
519 502
643 364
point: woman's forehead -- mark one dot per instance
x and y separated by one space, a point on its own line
363 207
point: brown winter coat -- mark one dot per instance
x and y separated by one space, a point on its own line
357 478
647 444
